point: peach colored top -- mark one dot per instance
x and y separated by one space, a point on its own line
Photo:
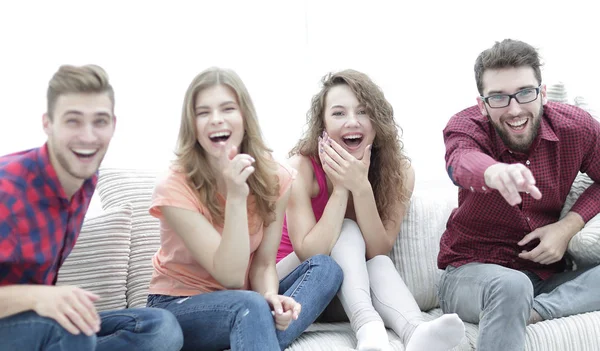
176 272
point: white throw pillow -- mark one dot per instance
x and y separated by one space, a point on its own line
416 249
99 259
584 247
117 187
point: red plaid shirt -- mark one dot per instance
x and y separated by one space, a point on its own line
485 228
38 223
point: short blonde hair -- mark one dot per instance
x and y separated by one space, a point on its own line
78 79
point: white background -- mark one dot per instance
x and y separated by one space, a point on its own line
421 53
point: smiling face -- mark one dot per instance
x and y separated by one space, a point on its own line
517 124
219 121
347 120
79 133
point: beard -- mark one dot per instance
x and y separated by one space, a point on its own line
524 144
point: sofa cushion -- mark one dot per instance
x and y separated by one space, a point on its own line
120 186
582 102
584 247
418 244
557 92
99 260
339 336
574 333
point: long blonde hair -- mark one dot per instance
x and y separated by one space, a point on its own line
263 183
388 161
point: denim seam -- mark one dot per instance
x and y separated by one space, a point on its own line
305 276
541 310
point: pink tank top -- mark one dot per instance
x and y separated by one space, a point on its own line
318 205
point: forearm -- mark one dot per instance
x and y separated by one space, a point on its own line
467 169
233 254
323 236
263 279
376 239
16 299
588 203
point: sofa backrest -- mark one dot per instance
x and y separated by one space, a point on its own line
414 252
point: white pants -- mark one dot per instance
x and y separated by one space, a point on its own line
372 290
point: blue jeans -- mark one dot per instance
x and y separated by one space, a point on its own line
242 320
131 329
500 299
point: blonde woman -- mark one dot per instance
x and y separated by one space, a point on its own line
221 208
352 190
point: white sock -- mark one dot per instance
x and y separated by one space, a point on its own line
440 334
372 337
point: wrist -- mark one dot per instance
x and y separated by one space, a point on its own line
489 173
268 294
234 198
363 188
30 298
574 223
339 190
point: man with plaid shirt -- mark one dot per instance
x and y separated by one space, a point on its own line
515 156
44 194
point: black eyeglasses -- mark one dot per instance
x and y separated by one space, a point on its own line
522 96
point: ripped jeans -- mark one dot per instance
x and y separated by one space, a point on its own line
242 319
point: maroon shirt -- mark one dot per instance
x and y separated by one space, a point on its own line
485 228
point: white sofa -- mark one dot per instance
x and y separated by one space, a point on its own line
113 258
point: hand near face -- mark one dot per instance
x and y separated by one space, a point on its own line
341 167
236 169
510 179
284 309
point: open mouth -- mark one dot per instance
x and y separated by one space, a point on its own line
352 140
219 137
85 154
518 125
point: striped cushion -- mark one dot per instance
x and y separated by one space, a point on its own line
416 249
575 333
557 92
99 260
584 247
119 186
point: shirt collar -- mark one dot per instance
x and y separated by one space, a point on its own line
48 174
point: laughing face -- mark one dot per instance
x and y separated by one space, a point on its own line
347 120
79 133
517 124
219 121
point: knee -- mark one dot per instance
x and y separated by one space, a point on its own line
350 235
165 328
512 289
252 304
380 260
326 266
350 225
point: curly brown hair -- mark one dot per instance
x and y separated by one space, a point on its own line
388 161
263 183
